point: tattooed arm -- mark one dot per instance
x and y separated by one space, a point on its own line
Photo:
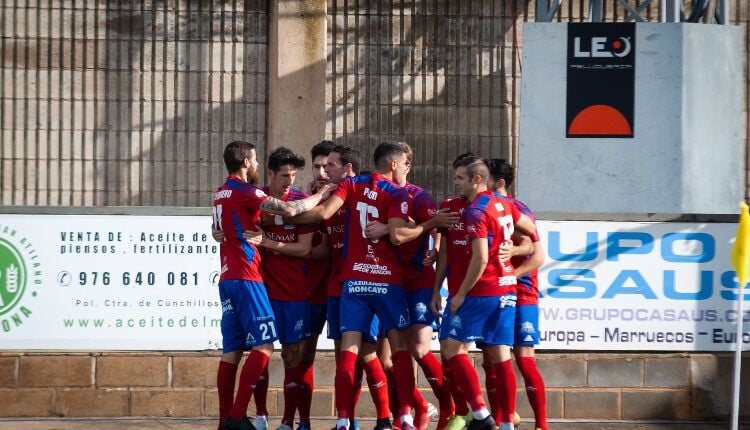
275 206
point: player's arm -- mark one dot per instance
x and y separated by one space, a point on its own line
480 256
525 225
431 256
521 245
535 260
436 304
401 231
274 206
319 213
301 248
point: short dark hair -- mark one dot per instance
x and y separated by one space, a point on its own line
387 151
408 151
322 149
501 169
462 156
282 156
474 166
235 154
348 155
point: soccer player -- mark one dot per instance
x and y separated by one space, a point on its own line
285 248
247 321
371 273
343 162
456 248
525 264
416 262
482 310
317 274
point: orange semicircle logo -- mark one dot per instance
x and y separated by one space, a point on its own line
600 120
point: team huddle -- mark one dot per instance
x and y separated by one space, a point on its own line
367 253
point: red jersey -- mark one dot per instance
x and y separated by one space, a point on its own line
371 198
335 227
285 275
411 254
318 271
528 284
458 244
236 209
492 216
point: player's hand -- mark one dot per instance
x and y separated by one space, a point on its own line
506 250
218 235
430 257
436 304
254 237
375 230
326 190
445 218
456 302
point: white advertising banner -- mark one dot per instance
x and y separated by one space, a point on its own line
106 282
638 286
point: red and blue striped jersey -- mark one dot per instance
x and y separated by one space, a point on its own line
528 284
236 208
492 216
369 198
422 208
286 276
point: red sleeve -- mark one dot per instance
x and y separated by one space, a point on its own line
254 198
399 205
344 188
476 223
424 207
514 212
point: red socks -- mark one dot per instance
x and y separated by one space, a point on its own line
356 389
459 401
506 391
345 382
308 386
405 384
261 393
225 378
252 369
434 374
490 383
534 389
466 377
292 393
378 384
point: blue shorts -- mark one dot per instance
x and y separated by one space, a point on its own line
292 321
247 319
334 323
527 325
419 307
486 320
317 318
363 300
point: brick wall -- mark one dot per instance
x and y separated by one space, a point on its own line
579 386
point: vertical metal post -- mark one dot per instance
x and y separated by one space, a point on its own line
595 11
723 12
670 10
542 9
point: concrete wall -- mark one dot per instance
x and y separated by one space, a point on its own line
579 386
689 123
